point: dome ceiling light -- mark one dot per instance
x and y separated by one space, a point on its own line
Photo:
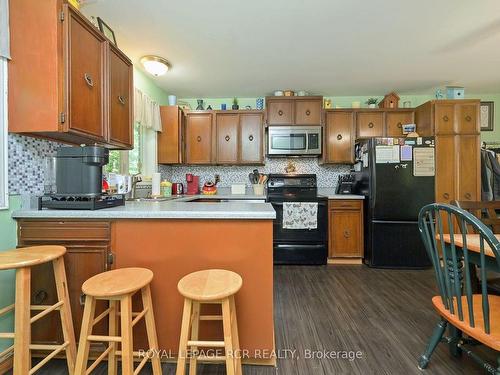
155 65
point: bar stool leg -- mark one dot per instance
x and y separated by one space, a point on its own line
236 340
186 322
127 337
195 321
84 345
228 338
65 311
112 331
22 337
147 302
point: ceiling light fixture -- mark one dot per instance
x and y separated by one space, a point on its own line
155 65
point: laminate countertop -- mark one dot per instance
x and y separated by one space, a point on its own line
238 207
330 194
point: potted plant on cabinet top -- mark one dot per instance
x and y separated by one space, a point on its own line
235 104
372 102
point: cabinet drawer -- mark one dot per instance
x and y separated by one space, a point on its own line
34 231
308 112
370 124
349 204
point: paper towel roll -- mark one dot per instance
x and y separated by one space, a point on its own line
155 184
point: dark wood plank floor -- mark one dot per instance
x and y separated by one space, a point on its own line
384 314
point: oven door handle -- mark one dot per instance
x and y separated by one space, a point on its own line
287 246
281 203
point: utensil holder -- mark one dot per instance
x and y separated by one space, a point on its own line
258 189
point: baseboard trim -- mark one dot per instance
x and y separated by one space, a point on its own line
345 261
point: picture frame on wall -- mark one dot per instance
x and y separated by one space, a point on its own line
487 116
107 31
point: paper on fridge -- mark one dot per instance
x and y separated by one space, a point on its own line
387 154
424 161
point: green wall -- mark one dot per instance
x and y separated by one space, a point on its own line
8 240
345 102
146 84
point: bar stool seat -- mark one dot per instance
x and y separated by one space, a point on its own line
213 286
118 287
22 260
117 282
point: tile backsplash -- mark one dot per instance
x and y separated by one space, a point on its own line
26 163
327 174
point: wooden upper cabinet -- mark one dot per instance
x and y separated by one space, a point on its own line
86 80
444 118
60 87
394 122
169 141
120 99
251 138
308 112
369 124
280 112
198 135
339 137
468 118
227 138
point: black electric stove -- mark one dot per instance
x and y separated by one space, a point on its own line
298 246
80 202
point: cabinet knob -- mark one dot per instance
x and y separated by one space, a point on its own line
40 296
446 196
308 112
280 112
399 125
446 118
347 233
339 137
121 99
370 125
468 196
82 299
250 138
227 138
198 138
468 118
88 80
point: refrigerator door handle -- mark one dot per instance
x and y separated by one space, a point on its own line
373 176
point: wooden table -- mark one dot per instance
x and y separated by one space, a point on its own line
473 245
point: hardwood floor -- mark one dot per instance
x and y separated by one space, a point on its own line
384 314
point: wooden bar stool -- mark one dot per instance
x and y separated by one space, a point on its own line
209 287
118 287
22 260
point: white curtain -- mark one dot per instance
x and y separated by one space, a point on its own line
146 111
4 29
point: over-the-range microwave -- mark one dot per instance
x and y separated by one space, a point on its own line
294 140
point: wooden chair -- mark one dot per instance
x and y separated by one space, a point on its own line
22 260
458 306
209 287
118 286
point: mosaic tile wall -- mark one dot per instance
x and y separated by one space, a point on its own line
26 163
327 175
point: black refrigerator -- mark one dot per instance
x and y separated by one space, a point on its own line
396 176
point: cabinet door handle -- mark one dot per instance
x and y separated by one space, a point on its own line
399 125
227 138
339 137
468 118
370 125
121 99
347 233
198 138
250 138
40 296
280 112
446 196
308 112
88 79
468 196
82 299
446 118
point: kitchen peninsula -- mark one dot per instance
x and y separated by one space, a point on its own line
171 238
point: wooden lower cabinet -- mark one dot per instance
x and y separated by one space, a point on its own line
88 253
345 231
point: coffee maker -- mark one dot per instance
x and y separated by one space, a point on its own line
78 180
193 184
